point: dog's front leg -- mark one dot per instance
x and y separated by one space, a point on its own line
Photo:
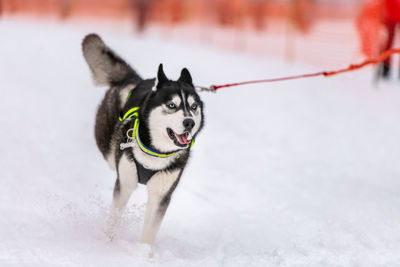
160 188
126 182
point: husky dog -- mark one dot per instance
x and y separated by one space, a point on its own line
144 129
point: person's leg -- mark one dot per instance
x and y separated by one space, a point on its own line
396 32
385 71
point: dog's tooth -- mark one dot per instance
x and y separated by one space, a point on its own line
189 136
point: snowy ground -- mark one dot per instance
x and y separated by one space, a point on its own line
301 173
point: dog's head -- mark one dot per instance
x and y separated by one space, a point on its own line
174 112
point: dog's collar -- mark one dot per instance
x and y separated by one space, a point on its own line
133 112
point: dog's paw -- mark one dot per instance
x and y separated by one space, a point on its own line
111 228
110 234
138 250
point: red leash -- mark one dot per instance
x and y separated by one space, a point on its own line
352 67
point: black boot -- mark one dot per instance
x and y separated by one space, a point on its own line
384 71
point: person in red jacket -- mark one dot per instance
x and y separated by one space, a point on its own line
391 19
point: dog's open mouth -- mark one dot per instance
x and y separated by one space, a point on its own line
181 140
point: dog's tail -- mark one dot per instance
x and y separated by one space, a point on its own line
106 66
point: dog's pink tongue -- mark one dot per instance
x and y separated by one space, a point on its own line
182 139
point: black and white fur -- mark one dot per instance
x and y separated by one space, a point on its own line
167 109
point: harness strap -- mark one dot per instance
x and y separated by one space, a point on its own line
130 113
145 149
144 175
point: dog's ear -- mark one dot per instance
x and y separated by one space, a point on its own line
106 66
185 77
161 77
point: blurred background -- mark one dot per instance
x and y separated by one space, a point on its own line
322 32
295 173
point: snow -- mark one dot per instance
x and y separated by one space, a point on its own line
298 173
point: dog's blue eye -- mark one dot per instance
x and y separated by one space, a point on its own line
194 106
171 106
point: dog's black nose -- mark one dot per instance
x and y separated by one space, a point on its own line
188 124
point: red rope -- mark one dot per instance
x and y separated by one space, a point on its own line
352 67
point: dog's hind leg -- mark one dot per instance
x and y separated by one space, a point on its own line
160 188
125 184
